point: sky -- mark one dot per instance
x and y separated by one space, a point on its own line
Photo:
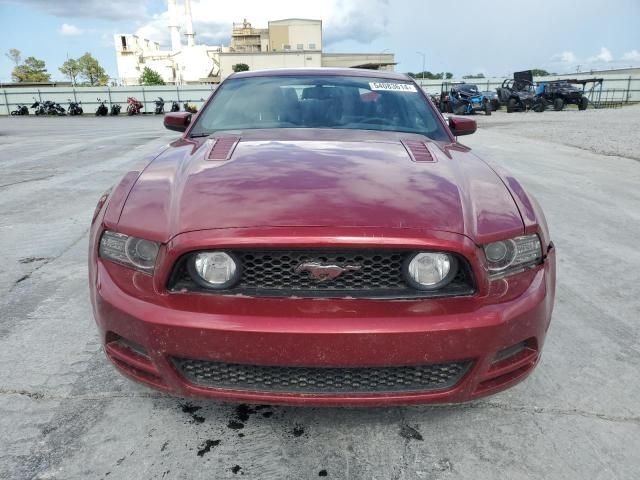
493 37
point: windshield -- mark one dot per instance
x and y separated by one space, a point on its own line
468 88
310 101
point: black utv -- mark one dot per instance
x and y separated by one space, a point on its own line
519 96
560 93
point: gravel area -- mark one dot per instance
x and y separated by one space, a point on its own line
612 131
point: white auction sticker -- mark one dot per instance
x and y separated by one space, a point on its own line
393 87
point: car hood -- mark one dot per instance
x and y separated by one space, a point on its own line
307 178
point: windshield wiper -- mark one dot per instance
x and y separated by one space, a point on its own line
199 135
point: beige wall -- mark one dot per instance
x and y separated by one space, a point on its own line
294 32
278 36
262 61
336 60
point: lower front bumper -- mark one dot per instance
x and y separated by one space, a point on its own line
144 338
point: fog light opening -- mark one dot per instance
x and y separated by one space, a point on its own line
512 351
128 344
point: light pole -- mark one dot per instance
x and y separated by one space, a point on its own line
423 61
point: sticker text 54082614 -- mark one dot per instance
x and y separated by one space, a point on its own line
394 87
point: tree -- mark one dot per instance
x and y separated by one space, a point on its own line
150 77
240 67
478 75
539 72
32 70
91 70
429 76
71 68
14 55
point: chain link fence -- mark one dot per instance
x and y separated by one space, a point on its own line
616 91
90 97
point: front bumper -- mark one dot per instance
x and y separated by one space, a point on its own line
144 332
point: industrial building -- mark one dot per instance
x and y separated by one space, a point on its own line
293 42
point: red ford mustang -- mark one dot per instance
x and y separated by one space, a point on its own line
319 237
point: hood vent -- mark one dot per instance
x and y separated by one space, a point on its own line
418 151
223 148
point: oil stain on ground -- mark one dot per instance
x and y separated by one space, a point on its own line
191 410
243 412
298 430
410 433
207 446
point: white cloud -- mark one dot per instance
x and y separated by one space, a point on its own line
565 57
604 55
631 56
102 9
359 20
70 30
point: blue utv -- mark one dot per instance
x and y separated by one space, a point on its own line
463 98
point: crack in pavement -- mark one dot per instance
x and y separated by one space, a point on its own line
47 260
27 181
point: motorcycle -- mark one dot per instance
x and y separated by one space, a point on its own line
74 108
133 106
175 106
38 107
189 107
21 110
159 106
115 109
102 109
53 108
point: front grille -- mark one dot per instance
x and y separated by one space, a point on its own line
419 378
273 273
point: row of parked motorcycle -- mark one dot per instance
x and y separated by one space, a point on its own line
134 107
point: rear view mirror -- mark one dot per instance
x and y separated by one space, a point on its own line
462 126
178 121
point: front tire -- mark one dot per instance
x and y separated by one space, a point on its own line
512 105
558 104
539 106
584 101
487 108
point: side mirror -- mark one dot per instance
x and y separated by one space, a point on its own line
462 126
178 121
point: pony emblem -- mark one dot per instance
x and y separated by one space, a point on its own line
323 272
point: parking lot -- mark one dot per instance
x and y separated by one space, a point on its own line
65 413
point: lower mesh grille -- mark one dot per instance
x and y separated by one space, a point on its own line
418 378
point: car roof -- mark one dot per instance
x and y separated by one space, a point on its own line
302 71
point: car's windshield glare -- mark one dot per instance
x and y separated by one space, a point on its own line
310 101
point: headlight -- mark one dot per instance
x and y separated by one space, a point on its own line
216 270
431 270
130 251
513 254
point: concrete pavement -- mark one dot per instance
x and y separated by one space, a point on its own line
65 413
